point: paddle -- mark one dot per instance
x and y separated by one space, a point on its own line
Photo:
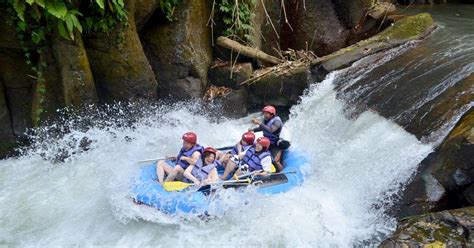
157 159
178 185
173 158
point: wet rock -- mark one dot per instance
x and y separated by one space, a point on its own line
144 9
47 91
223 74
185 88
279 87
7 139
267 32
410 28
76 75
362 17
469 194
18 83
446 176
451 228
9 37
233 105
119 65
180 50
313 25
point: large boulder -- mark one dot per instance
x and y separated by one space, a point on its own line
230 76
180 50
453 228
9 38
16 76
232 104
76 75
313 25
7 139
144 9
48 93
408 29
446 177
279 86
119 65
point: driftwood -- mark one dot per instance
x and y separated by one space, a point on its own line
247 51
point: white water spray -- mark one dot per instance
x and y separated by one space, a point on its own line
356 166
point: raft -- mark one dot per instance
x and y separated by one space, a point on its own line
146 189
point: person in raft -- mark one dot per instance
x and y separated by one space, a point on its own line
188 155
271 127
256 160
247 140
204 171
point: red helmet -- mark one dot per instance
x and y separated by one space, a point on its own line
269 109
210 150
264 141
190 137
248 137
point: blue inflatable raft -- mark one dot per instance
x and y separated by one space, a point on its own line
146 190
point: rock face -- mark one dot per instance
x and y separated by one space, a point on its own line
7 139
446 177
229 76
233 105
453 228
119 65
17 88
409 28
180 50
76 75
279 88
47 92
313 25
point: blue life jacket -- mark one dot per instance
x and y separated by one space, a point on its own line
275 136
234 150
188 153
201 171
254 160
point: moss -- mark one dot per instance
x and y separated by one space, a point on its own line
409 28
435 244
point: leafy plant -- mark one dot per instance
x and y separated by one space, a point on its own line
237 16
168 6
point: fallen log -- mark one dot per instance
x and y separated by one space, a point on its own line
247 51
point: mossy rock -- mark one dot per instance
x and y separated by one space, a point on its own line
407 29
119 65
442 229
181 49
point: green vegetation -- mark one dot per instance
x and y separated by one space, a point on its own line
237 16
168 6
35 19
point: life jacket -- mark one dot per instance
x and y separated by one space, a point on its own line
188 153
275 136
254 160
201 171
235 151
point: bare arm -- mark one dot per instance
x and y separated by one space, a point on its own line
275 126
193 159
213 176
189 175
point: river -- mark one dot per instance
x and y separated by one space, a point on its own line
58 194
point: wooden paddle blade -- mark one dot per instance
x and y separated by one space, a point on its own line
176 185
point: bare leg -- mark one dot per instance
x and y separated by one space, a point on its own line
173 173
161 168
228 169
279 165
